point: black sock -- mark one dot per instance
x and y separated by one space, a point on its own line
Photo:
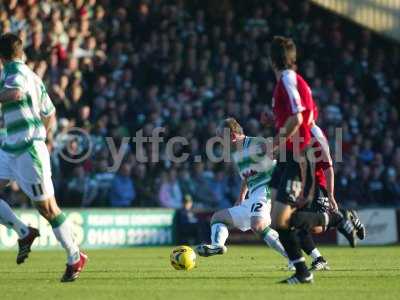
301 268
290 242
306 241
304 220
335 218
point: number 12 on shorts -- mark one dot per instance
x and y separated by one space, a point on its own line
256 207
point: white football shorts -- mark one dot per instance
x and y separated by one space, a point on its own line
256 206
30 169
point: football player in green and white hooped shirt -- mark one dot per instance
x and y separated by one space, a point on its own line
253 213
29 116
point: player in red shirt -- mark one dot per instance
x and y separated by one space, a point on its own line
324 174
293 109
324 200
292 106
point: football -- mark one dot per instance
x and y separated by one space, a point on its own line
183 258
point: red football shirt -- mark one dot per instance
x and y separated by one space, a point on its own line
291 96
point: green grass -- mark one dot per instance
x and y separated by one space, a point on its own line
243 273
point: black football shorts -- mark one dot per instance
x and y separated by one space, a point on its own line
286 178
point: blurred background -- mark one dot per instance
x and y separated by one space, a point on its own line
115 67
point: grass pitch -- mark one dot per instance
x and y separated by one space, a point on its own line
249 272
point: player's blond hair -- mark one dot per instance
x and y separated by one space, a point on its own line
232 125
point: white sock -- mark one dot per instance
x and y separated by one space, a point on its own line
2 222
271 237
9 219
326 219
219 234
301 259
315 254
63 233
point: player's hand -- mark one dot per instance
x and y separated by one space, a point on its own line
301 202
266 119
50 142
267 149
50 147
332 203
239 202
263 119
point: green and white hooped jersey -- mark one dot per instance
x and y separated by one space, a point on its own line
253 166
22 118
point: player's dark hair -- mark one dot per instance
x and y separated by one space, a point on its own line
283 53
10 46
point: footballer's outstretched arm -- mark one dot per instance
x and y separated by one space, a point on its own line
49 123
11 94
328 168
330 186
330 176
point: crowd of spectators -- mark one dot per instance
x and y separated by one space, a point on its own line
113 68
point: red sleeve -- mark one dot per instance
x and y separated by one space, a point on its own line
316 112
289 80
323 165
323 144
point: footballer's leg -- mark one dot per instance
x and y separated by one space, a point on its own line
288 236
317 215
269 235
360 228
346 227
260 220
309 247
33 174
26 234
305 220
283 207
320 203
220 221
76 260
274 185
9 219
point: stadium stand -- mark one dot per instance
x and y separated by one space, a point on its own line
113 68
